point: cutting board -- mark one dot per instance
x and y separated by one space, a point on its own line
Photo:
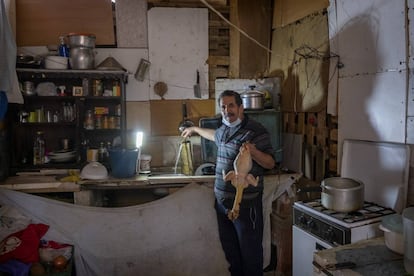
382 167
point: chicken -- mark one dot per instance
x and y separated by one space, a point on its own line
240 178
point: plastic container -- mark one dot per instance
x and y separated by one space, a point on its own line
56 62
123 162
392 226
408 222
145 163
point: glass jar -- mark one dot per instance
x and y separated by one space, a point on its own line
89 122
98 121
39 149
97 88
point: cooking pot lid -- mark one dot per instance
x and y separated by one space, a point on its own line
393 223
110 64
252 92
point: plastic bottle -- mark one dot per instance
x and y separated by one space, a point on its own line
63 48
39 149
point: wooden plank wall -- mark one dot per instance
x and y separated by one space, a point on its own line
219 48
319 129
320 132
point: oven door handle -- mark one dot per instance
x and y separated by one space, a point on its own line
338 266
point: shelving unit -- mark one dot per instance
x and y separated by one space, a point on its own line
62 116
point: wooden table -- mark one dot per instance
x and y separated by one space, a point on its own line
83 190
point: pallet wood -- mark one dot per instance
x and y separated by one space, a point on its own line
320 141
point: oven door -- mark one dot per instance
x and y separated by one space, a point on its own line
304 245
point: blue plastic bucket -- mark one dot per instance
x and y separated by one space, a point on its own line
123 162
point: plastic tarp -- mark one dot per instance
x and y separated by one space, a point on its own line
175 235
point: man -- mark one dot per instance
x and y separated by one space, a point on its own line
241 239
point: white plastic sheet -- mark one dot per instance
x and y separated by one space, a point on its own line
175 235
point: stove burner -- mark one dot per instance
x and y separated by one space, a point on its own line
368 211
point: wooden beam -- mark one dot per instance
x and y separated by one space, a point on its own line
185 3
234 68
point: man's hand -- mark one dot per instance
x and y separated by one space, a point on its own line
187 132
263 159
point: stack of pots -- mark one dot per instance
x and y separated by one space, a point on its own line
82 47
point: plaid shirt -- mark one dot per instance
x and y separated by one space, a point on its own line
228 141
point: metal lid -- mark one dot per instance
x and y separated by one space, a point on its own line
252 92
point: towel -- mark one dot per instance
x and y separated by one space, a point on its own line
8 50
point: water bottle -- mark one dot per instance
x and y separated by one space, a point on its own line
63 48
39 149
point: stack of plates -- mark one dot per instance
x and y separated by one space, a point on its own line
62 156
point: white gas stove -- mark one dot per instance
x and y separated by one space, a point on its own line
317 228
383 168
336 228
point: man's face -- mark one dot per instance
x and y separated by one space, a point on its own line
230 110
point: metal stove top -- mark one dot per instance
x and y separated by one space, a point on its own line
369 213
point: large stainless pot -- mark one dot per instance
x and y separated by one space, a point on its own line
342 194
82 58
252 99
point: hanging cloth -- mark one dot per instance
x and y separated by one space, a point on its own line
8 50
